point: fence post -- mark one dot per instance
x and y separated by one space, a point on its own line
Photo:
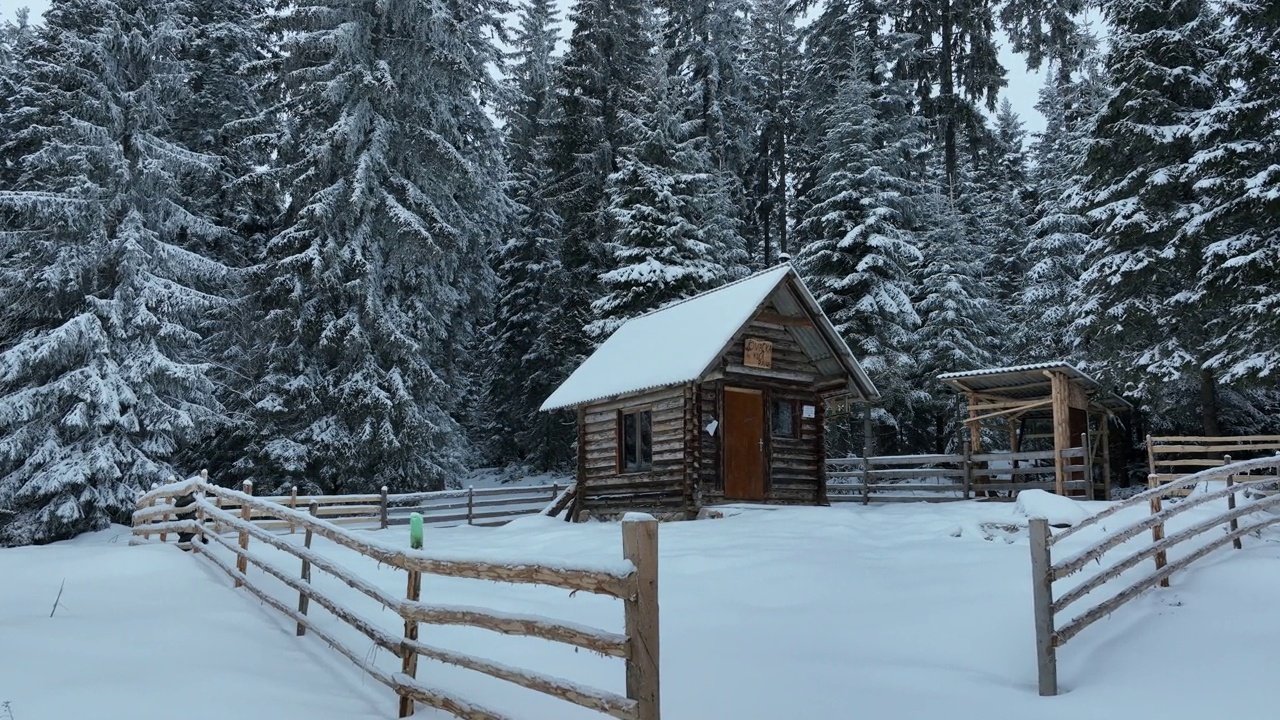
408 656
1157 531
382 511
967 467
640 546
246 514
866 481
1231 504
471 503
303 599
293 505
164 517
1042 594
1087 461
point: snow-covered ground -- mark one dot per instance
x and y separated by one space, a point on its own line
144 633
894 611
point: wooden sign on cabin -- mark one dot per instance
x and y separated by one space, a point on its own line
757 353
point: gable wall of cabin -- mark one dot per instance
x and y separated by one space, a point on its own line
604 489
796 465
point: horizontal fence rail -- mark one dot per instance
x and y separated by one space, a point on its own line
1174 457
203 514
1045 571
959 476
471 506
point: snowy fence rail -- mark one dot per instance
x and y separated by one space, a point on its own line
950 477
1238 476
204 515
471 506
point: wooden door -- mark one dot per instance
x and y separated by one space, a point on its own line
744 476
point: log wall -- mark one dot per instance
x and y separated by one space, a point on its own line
607 492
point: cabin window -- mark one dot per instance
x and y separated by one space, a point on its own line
783 418
636 442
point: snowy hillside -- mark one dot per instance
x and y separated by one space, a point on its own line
820 613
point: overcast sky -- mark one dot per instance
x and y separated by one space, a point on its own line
1021 92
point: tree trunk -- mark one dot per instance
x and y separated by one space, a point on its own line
948 97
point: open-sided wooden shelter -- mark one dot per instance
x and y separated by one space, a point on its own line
1071 409
716 398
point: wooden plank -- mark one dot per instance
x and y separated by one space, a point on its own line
1162 577
1061 426
245 513
599 641
975 419
409 654
640 546
590 698
303 598
1213 439
1042 598
917 473
1191 462
1026 456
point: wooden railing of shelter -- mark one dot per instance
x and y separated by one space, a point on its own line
210 517
956 476
1046 572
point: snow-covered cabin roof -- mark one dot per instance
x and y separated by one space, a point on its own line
1027 381
683 341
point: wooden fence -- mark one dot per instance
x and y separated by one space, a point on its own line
1045 572
636 586
483 506
1174 457
962 476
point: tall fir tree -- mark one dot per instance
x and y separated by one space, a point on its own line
371 288
1059 233
525 339
102 380
15 45
868 206
1140 311
774 74
1239 186
600 82
956 69
229 53
961 325
671 236
999 201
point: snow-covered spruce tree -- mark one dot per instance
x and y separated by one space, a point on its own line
868 205
774 73
229 54
523 341
101 375
707 43
1000 196
670 239
1140 310
1059 233
961 325
15 42
1239 182
394 171
832 44
600 81
955 67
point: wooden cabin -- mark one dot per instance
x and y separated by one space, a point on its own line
713 399
1050 404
